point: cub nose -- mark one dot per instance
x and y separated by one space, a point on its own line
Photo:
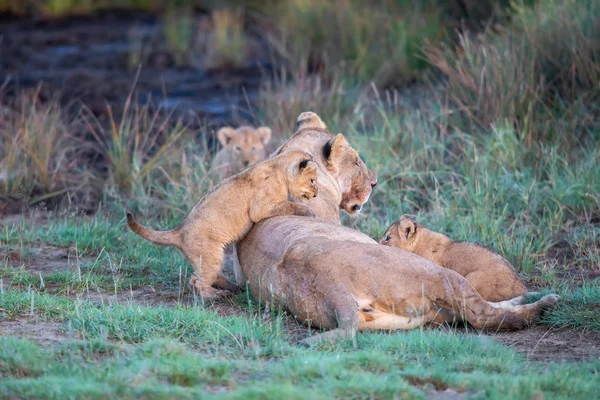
373 183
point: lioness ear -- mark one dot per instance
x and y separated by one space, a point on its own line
264 132
225 135
309 119
334 151
407 228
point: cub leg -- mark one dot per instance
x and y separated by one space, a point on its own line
206 259
263 211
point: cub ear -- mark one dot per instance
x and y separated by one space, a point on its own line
307 167
309 119
334 151
407 227
226 135
264 132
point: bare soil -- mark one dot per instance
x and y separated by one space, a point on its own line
550 344
42 260
43 333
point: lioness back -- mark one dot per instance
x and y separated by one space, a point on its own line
227 213
489 273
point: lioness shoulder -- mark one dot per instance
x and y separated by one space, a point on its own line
489 273
226 214
241 148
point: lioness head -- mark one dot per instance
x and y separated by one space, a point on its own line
342 161
245 145
302 172
402 233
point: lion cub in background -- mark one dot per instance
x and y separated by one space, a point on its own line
490 274
227 213
242 147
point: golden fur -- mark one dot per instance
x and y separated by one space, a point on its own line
336 278
226 214
242 147
490 274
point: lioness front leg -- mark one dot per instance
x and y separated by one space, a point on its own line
263 211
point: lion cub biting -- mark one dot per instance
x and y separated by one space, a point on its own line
242 147
227 213
489 273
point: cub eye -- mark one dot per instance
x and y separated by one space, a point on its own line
387 238
312 181
238 148
253 148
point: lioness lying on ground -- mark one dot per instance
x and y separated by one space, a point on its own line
490 274
228 212
242 147
336 278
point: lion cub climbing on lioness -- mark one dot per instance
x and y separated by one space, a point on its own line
227 213
490 274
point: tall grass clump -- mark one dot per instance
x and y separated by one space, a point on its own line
38 158
541 73
367 41
133 146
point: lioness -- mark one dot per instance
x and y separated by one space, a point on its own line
337 278
489 273
228 212
242 147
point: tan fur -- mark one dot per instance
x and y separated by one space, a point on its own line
336 278
227 213
242 147
489 273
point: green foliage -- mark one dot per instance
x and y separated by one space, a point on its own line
541 73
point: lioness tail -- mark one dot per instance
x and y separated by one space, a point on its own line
165 238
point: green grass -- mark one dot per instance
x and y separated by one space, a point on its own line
406 364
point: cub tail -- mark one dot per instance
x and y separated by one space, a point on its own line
170 237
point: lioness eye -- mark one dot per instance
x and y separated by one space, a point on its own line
238 148
312 181
387 238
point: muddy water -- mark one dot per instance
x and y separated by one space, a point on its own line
95 61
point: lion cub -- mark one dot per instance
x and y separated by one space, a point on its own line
227 213
242 147
490 274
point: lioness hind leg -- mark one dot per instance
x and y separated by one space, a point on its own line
347 317
511 317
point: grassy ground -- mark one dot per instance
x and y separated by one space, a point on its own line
105 333
505 151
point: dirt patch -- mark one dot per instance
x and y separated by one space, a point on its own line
43 333
543 344
42 260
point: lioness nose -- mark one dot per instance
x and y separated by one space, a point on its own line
374 183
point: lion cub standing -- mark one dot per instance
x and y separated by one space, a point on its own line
227 213
242 147
490 274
